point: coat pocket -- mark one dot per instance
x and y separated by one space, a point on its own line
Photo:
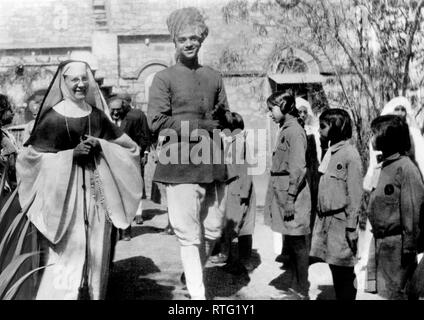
339 174
280 185
234 187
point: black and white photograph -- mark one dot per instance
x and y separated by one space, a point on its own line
222 150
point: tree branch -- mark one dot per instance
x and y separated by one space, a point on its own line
355 64
409 53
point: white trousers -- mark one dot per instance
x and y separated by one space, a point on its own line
197 215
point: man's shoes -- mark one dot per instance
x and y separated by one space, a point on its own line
139 219
282 295
126 234
236 268
282 258
219 258
247 264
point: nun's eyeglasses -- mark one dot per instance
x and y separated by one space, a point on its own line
77 80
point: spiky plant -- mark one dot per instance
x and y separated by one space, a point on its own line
19 258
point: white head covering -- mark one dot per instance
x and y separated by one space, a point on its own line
71 68
300 102
390 106
312 124
417 140
57 91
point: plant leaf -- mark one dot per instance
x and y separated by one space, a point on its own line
3 177
4 249
9 272
22 236
7 204
14 289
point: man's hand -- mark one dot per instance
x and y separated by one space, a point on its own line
289 209
352 240
209 125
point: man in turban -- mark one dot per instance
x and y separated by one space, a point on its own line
186 99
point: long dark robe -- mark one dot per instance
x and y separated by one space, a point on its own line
55 133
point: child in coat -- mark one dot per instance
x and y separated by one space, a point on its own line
394 208
335 234
241 202
288 202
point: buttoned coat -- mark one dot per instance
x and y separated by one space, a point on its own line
394 212
179 98
396 201
340 188
241 201
288 176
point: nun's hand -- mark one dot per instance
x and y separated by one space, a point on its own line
81 152
94 145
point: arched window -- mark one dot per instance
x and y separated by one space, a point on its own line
292 65
144 81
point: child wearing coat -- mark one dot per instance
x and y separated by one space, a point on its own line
288 202
241 201
394 208
335 234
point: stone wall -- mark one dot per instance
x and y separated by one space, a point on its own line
121 46
45 23
135 53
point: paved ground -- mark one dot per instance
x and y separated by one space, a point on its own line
148 267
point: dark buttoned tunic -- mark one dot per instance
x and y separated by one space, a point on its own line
179 94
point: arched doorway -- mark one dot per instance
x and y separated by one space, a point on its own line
299 72
145 77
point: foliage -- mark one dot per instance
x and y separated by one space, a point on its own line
235 56
374 48
371 46
9 79
231 59
236 10
18 259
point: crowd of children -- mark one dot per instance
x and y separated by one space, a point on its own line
394 210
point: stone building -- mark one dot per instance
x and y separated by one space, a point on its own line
130 40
